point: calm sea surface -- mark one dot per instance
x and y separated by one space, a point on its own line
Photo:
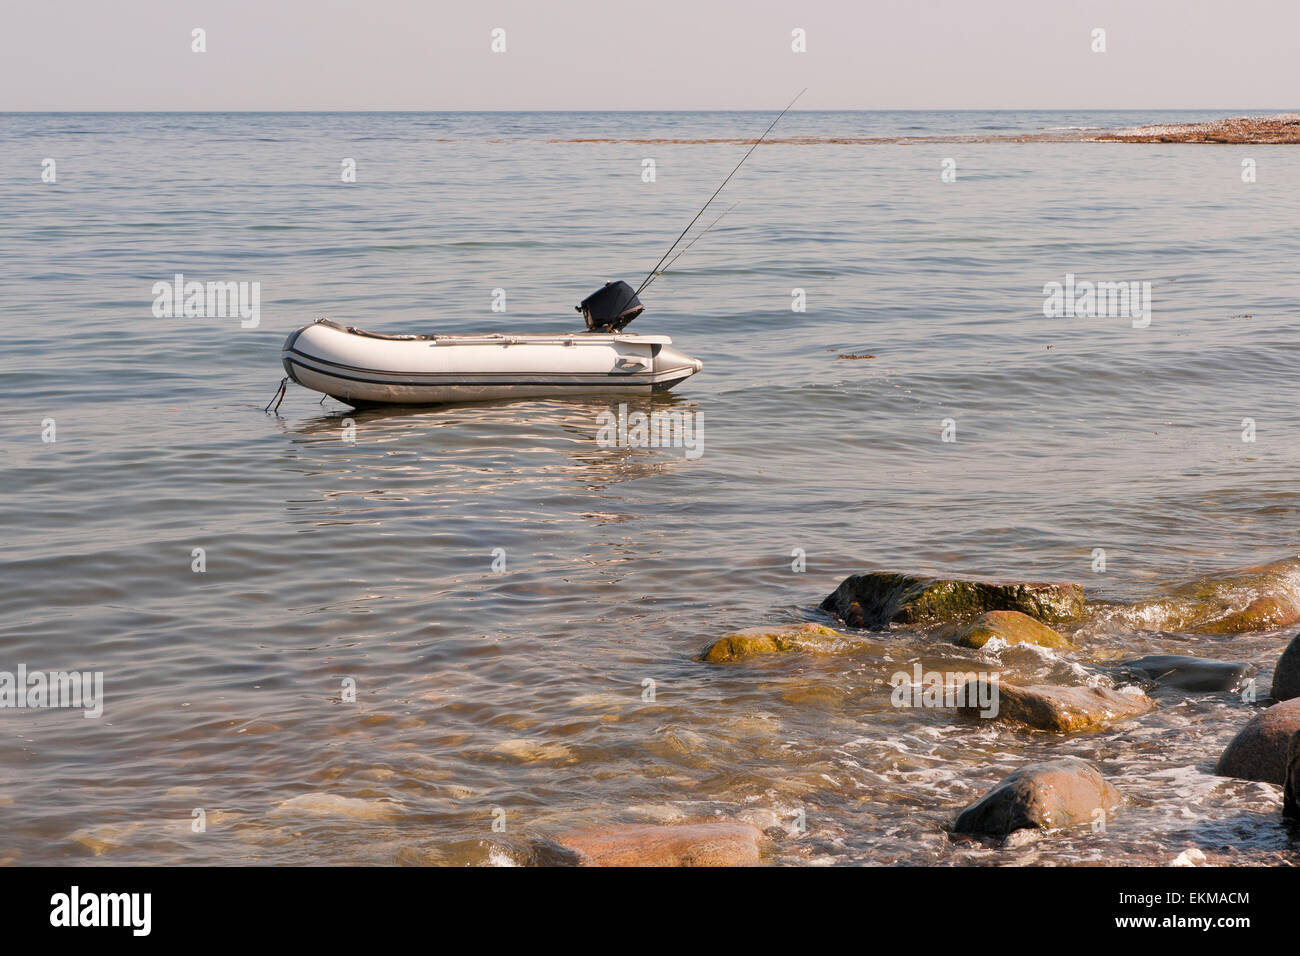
523 693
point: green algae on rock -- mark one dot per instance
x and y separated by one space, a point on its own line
768 640
879 598
1050 795
1257 598
1010 627
1059 709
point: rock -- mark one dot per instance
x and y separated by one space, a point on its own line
1291 789
877 599
1280 128
767 640
761 817
1011 627
334 805
106 836
694 844
1189 857
1050 795
1261 614
1286 676
532 751
1051 707
1249 599
1259 751
1187 673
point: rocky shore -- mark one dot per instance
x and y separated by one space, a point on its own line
1284 128
1054 793
1279 129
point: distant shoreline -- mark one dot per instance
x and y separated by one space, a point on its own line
1278 129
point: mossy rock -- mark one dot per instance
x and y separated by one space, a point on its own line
1259 598
767 640
1011 627
878 599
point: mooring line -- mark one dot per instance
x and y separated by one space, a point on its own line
278 394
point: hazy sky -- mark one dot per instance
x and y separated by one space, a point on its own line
678 54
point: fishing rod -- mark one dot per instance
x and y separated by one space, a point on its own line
694 241
655 271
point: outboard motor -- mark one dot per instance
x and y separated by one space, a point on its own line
611 308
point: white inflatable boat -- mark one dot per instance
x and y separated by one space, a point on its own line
364 369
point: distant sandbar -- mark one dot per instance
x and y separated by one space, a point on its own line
1284 128
1280 129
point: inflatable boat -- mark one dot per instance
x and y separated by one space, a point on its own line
364 369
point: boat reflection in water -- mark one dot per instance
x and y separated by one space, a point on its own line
365 462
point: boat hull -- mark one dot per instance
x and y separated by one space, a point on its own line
364 368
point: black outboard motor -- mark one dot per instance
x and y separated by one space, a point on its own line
611 308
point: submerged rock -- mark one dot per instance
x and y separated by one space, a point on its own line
532 751
1291 791
1259 751
1050 707
879 598
1286 676
1189 857
694 844
1187 673
1050 795
1010 627
767 640
1258 598
335 805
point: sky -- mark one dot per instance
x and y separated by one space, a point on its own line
676 54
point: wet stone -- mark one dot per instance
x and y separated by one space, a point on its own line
1260 749
1051 795
878 599
1197 674
1286 676
1055 708
724 843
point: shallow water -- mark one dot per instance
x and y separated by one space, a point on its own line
523 690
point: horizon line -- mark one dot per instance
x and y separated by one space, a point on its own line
929 109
